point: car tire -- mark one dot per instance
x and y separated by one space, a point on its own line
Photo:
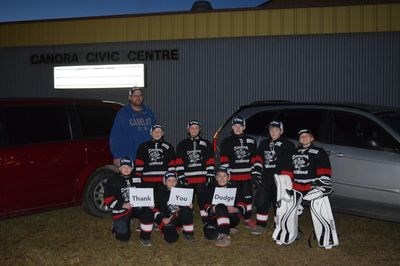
94 193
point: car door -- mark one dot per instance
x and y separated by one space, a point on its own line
41 162
366 167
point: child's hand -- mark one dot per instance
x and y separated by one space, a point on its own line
232 209
190 205
166 220
127 206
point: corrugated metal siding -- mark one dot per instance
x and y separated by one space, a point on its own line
257 22
215 76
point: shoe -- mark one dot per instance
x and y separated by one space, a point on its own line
138 229
223 241
145 242
258 230
250 224
233 231
188 238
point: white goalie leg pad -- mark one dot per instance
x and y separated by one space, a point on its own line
283 185
286 228
324 223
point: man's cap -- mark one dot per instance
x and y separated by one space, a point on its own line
132 90
155 126
169 174
126 160
305 130
223 169
277 124
193 122
239 120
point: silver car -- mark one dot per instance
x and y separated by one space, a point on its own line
363 143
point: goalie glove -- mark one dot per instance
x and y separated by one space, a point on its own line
320 188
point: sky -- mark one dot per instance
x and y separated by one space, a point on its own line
20 10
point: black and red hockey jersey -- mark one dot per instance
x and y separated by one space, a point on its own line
275 157
238 153
162 208
310 164
116 193
194 160
153 159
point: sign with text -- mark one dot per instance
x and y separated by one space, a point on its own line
141 197
224 196
181 196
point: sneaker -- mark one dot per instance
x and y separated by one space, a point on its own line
145 242
250 224
223 241
188 238
258 230
233 231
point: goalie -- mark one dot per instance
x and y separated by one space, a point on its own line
312 182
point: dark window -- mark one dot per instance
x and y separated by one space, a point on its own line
392 119
257 124
96 121
358 131
296 119
26 125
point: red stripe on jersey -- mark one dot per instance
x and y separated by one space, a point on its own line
108 200
242 176
289 173
179 161
153 179
139 162
210 161
301 187
196 180
324 171
256 159
117 216
224 159
172 163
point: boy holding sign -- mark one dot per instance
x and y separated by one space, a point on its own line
224 207
169 215
116 197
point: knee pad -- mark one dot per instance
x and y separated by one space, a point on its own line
121 230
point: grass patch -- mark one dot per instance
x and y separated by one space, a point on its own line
71 237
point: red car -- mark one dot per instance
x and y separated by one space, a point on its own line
54 153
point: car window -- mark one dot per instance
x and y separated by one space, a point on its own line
96 121
257 124
24 125
392 119
296 119
358 131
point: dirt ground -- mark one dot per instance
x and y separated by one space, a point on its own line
71 237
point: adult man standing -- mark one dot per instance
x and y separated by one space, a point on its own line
131 126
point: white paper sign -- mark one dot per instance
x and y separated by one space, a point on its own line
141 197
224 195
181 196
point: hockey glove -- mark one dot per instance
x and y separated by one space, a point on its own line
256 179
210 178
182 180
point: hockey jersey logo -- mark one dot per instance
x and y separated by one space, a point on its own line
300 162
156 156
270 156
125 194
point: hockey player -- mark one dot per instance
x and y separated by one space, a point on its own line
195 163
238 153
116 198
312 182
154 158
170 217
275 154
221 218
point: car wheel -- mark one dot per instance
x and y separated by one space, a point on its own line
94 193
